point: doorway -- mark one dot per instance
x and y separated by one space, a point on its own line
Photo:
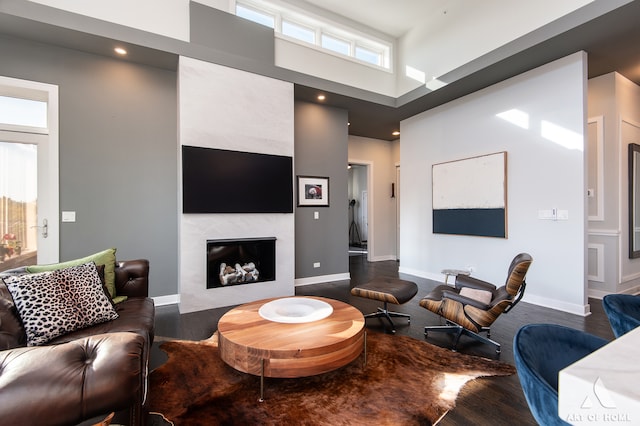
358 191
29 228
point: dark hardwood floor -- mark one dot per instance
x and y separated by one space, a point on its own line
485 401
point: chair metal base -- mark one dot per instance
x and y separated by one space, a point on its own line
384 312
458 330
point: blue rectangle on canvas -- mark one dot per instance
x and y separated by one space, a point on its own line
480 222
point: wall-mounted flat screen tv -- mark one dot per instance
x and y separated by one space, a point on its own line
223 181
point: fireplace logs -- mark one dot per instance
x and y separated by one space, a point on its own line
240 274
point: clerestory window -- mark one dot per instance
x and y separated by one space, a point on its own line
255 15
317 32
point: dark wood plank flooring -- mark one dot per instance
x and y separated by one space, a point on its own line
485 401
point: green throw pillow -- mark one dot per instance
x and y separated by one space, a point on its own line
106 258
119 299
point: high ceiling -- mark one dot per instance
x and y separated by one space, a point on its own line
612 42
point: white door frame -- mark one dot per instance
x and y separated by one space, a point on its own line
48 158
397 196
364 203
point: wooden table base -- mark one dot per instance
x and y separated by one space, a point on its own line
261 399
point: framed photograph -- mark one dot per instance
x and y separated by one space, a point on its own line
313 191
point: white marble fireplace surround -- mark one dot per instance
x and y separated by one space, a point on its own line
224 108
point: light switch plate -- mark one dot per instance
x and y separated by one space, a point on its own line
545 214
68 216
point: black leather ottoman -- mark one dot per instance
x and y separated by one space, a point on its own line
387 290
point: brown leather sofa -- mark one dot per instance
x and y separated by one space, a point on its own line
84 374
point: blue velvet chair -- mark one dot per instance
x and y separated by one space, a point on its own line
623 311
540 352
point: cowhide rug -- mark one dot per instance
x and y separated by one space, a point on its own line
405 382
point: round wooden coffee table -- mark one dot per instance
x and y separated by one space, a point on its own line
254 345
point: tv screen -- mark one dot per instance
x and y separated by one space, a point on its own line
222 181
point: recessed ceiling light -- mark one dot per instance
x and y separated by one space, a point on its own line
120 51
396 133
321 97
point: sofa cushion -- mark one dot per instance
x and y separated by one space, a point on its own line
477 294
11 331
57 302
106 257
69 383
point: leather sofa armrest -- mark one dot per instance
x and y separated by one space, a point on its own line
68 383
132 278
467 281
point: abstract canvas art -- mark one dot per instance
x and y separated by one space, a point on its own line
470 196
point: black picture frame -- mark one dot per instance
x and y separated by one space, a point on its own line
313 191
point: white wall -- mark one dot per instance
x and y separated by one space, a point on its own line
378 155
604 178
224 108
628 102
614 106
311 61
542 174
168 18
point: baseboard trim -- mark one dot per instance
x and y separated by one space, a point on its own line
600 294
321 279
534 300
171 299
383 258
582 310
422 274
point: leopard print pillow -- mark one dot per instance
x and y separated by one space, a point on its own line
54 303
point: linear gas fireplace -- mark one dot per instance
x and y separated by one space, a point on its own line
242 261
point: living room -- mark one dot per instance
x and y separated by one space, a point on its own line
140 142
122 123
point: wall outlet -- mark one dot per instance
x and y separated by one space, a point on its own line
316 264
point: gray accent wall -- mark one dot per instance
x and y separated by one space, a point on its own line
225 32
321 138
118 153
